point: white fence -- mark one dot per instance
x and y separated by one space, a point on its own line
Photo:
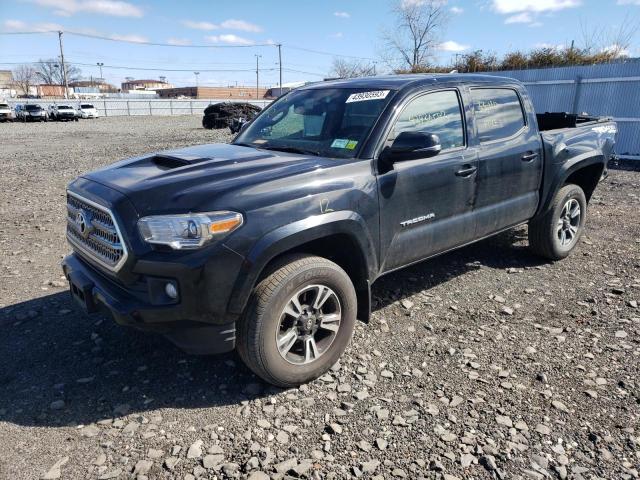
139 107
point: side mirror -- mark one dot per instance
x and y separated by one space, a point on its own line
413 145
238 125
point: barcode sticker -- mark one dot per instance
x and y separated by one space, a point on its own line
363 96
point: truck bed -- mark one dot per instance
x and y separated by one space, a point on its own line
559 120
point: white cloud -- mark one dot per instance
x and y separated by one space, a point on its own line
233 24
535 6
132 37
20 26
342 14
524 17
229 38
552 46
178 41
337 35
451 46
616 49
199 25
115 8
457 10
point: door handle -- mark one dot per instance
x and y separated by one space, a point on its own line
529 157
466 171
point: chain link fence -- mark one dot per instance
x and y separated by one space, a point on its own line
154 106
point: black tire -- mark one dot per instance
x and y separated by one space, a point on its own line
260 324
545 232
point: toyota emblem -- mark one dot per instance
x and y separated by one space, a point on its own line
83 224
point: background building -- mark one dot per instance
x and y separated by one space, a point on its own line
96 85
237 93
145 85
6 84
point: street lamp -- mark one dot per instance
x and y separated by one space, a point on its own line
257 73
196 74
100 65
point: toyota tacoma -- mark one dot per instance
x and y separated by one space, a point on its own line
270 244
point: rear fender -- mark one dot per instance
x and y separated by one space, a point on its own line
557 171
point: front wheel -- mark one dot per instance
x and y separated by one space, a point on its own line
556 233
298 322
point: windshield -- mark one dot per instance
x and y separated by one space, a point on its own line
32 107
331 122
86 105
4 105
64 107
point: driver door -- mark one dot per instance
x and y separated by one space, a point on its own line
426 204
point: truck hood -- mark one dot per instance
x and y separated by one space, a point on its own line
193 178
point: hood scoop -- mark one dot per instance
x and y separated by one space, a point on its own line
168 161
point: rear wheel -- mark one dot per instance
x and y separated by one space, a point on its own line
556 233
298 322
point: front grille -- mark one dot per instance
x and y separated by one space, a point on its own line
92 229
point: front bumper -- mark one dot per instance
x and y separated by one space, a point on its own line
145 305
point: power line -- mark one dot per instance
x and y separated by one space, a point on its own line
135 42
158 69
155 44
161 69
320 52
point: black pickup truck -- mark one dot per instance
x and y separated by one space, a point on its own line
270 244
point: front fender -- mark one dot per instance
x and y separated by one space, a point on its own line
293 235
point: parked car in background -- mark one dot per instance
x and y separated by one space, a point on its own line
63 113
31 112
87 110
6 112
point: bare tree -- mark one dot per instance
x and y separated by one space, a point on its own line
343 68
24 77
413 42
50 72
613 40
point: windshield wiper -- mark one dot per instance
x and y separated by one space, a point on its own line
291 150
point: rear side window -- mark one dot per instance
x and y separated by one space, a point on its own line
438 113
498 113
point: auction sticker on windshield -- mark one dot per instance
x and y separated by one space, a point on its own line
363 96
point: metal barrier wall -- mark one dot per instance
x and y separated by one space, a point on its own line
611 89
154 106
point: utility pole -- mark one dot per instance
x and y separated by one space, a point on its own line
64 68
196 74
100 64
280 65
257 73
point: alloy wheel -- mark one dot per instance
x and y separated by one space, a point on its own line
309 324
569 222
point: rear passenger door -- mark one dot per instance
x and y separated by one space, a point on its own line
426 204
510 159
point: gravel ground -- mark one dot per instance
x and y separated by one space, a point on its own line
483 363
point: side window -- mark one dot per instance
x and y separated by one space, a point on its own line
498 113
438 113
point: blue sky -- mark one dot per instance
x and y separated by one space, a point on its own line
347 27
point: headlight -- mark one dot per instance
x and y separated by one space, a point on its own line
188 231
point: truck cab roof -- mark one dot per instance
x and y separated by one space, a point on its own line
400 82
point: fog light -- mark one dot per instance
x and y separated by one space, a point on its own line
171 291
